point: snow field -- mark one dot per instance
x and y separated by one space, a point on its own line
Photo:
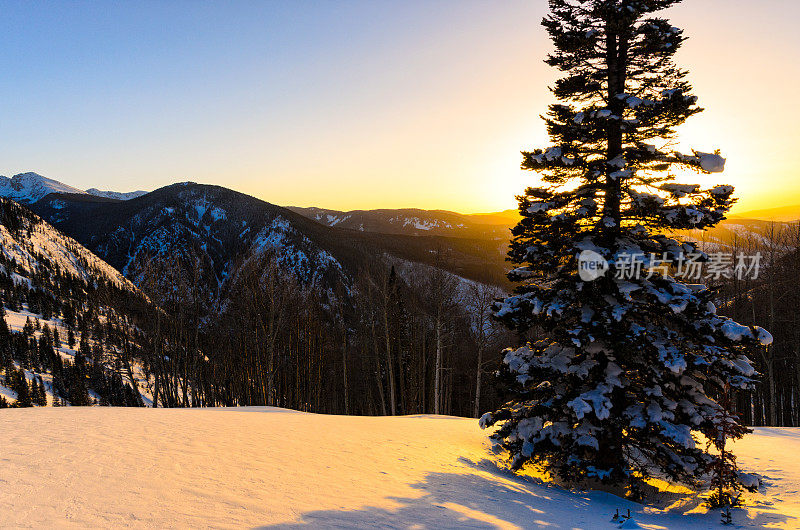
96 467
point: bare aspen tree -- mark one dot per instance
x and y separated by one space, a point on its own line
441 289
479 299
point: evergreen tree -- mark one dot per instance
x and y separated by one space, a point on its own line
85 348
22 389
78 386
27 329
39 393
631 363
8 377
726 481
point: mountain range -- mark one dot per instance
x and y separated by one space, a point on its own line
182 275
208 232
414 221
226 296
28 188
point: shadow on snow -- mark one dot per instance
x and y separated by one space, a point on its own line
492 498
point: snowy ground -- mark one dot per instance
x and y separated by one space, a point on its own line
261 467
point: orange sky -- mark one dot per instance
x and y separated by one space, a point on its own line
455 146
362 104
742 62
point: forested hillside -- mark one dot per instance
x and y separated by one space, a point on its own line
70 329
268 307
264 306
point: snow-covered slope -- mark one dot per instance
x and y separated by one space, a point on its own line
120 196
30 187
263 467
36 240
53 287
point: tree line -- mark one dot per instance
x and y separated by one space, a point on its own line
771 299
399 338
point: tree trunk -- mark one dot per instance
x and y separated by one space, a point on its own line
389 362
378 365
437 378
344 369
479 371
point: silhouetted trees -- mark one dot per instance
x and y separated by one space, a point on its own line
400 338
768 296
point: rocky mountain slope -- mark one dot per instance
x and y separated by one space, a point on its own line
190 232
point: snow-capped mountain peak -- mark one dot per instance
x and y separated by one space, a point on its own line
30 187
122 196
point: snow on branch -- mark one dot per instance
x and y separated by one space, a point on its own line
708 162
552 157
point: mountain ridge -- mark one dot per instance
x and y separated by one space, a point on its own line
209 231
780 213
31 187
414 221
121 196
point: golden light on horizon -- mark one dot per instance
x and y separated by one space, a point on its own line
430 112
750 109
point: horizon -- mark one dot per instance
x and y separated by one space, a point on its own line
785 213
240 95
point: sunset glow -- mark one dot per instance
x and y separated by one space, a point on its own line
380 105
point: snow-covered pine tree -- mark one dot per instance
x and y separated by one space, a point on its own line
631 364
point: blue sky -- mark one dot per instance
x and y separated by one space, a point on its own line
339 104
